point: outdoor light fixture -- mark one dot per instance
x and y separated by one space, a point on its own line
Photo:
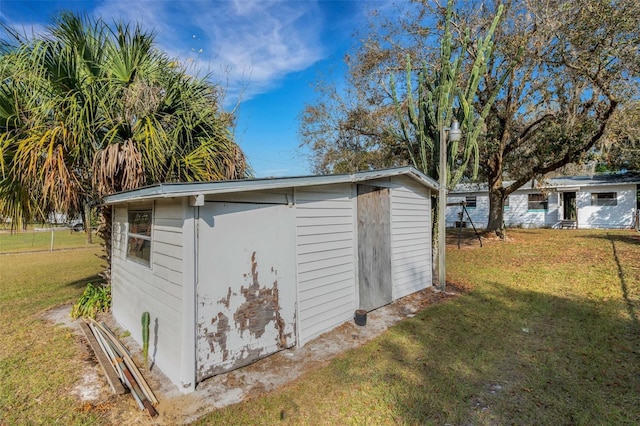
455 134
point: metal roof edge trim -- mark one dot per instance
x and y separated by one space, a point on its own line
184 189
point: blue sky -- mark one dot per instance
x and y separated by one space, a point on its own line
267 53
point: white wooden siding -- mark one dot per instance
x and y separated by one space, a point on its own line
618 216
479 214
325 250
518 213
410 237
157 289
515 214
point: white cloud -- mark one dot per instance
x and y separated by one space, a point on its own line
23 29
249 46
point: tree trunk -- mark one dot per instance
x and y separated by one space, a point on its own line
496 213
496 199
86 211
104 232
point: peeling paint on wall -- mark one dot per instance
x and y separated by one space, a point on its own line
225 301
261 307
259 327
220 335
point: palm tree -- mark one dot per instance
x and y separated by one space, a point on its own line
105 111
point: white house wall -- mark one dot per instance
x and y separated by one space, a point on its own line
478 214
326 258
157 289
618 216
410 237
518 213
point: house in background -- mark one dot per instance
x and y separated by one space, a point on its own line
601 201
233 271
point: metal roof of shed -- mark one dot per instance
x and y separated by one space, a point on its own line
185 189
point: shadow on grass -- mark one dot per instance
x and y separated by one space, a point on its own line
624 287
506 356
82 283
627 238
623 239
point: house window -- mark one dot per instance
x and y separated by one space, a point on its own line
471 201
538 202
604 199
506 203
139 236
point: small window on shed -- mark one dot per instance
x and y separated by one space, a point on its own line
139 236
471 201
604 199
505 205
538 202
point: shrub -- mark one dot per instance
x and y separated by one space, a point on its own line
96 298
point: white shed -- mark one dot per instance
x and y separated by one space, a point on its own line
233 271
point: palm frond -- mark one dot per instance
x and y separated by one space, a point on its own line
88 109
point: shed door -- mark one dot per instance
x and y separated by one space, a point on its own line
374 247
246 291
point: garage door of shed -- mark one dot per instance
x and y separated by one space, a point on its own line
246 284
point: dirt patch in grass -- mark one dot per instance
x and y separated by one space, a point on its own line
239 385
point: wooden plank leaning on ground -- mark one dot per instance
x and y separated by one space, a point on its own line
123 352
109 372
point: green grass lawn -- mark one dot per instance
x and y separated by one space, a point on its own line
39 362
546 332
